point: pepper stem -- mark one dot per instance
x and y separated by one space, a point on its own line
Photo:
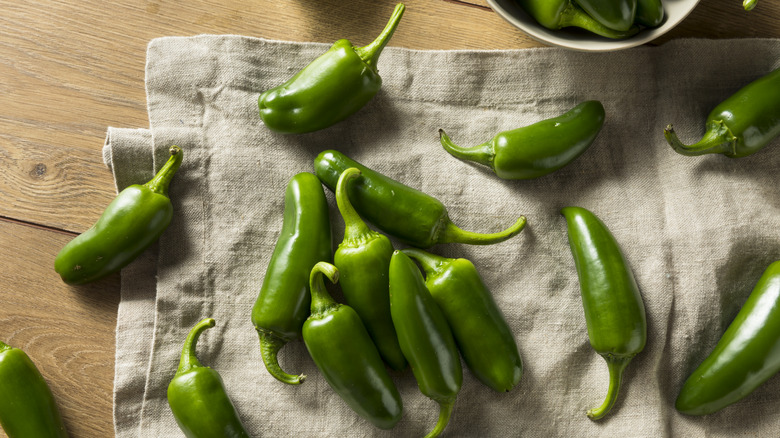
354 225
321 301
482 154
717 140
573 15
453 234
445 411
429 262
269 350
616 367
159 184
4 346
749 4
188 359
370 53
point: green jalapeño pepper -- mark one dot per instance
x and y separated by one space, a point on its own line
614 311
283 303
615 14
649 13
746 356
740 125
342 349
197 395
749 4
330 89
425 338
400 210
557 14
363 260
27 407
480 330
538 149
134 220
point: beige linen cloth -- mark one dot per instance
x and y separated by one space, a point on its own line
698 231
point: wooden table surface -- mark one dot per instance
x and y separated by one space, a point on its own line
71 68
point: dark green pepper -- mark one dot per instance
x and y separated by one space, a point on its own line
746 356
615 14
197 395
330 89
614 311
537 149
134 220
363 260
425 338
283 303
27 407
480 330
649 13
400 210
740 125
557 14
342 349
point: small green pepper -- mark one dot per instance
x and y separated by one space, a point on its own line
614 311
649 13
363 260
480 330
27 407
342 349
740 125
400 210
425 338
615 14
557 14
283 303
330 89
134 220
537 149
746 356
749 4
197 395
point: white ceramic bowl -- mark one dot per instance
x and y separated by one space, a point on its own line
579 39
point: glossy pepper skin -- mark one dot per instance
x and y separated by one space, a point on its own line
481 333
399 210
614 311
649 13
363 261
425 338
283 303
330 89
135 219
27 407
740 125
557 14
538 149
342 349
746 356
197 395
615 14
749 4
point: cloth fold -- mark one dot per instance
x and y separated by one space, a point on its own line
698 231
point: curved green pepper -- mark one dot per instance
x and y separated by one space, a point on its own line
134 220
615 14
400 210
197 395
27 407
425 338
480 330
342 349
557 14
363 260
330 89
537 149
614 311
740 125
283 303
649 13
749 4
746 356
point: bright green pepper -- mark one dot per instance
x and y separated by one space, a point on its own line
557 14
425 338
363 260
746 356
649 13
480 330
27 407
330 89
197 395
614 311
749 4
537 149
615 14
283 303
400 210
134 220
740 125
342 349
